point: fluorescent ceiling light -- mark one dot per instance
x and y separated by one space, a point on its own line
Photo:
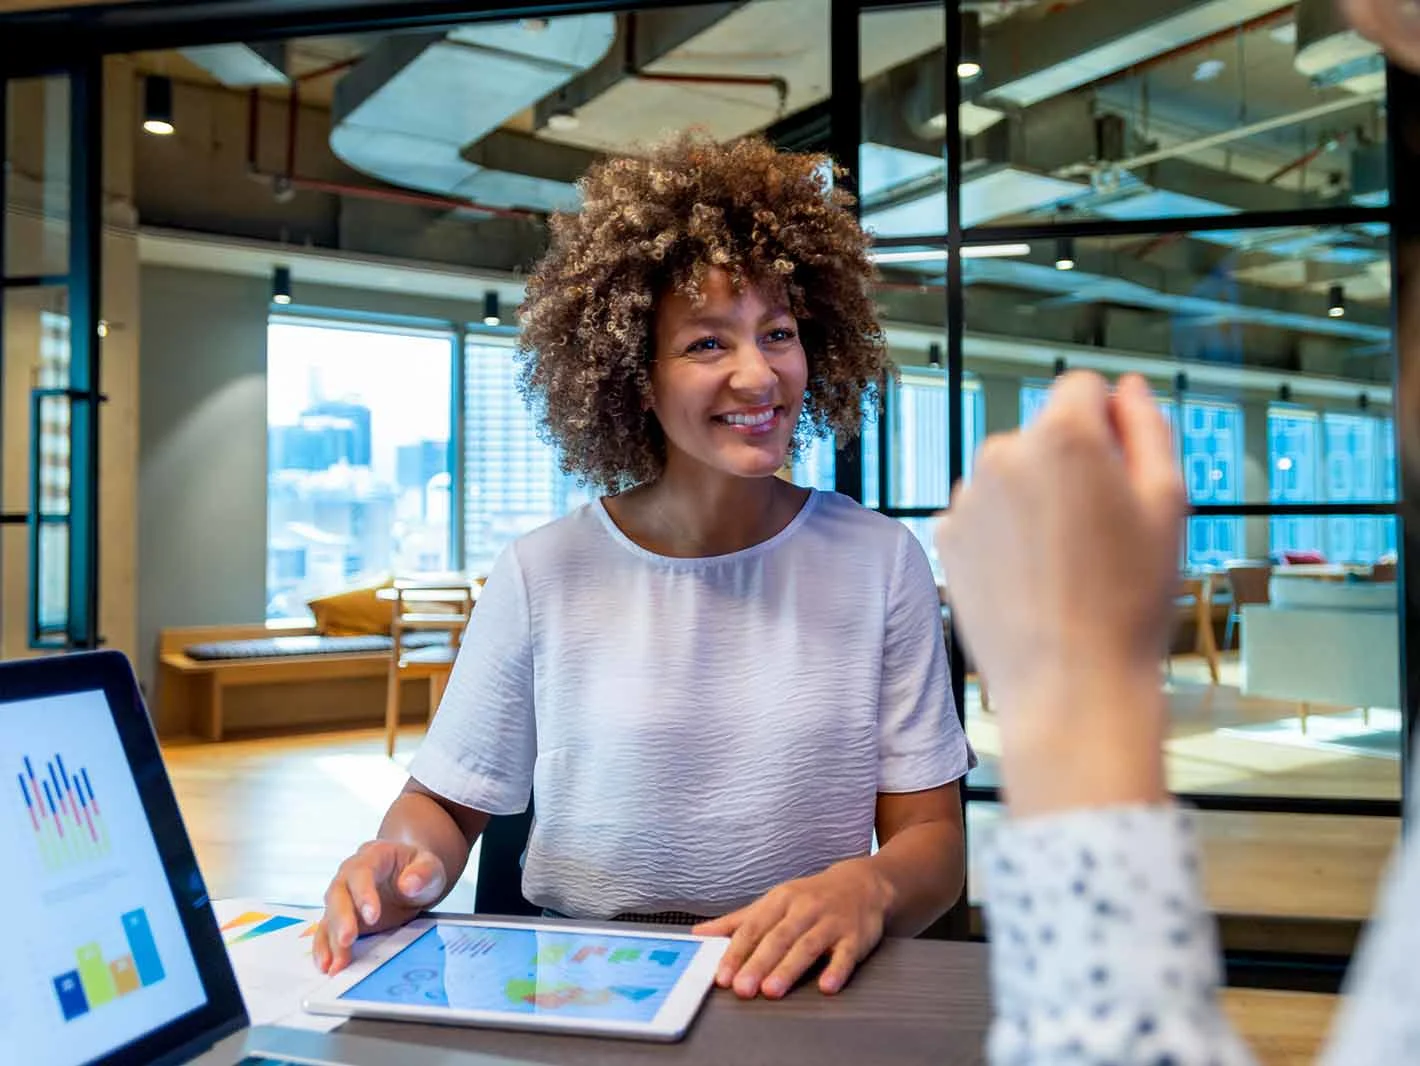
937 255
994 251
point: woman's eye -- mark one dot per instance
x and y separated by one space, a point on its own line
704 344
780 335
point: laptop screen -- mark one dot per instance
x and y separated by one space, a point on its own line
97 952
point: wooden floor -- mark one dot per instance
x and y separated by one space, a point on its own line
272 818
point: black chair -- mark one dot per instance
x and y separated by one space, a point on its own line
499 888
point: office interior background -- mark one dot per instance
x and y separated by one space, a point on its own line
285 249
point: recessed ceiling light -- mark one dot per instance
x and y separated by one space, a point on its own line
1208 69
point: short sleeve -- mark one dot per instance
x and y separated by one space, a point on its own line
920 740
482 744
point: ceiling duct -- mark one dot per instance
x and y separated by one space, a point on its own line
1029 59
242 66
414 110
1331 53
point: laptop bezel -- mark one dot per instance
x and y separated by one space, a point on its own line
110 672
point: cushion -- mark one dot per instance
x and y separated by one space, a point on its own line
1303 558
285 647
354 612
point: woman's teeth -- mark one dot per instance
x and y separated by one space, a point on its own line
748 420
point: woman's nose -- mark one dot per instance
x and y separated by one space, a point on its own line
752 372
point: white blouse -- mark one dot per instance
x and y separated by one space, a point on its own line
697 731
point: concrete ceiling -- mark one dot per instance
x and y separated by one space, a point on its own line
1095 104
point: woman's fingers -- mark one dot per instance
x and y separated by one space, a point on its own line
802 954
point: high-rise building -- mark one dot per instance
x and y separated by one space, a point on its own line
416 464
354 418
320 440
513 481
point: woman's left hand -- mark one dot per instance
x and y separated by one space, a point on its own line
840 913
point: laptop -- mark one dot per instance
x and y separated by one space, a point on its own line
112 951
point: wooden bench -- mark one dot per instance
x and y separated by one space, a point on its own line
213 698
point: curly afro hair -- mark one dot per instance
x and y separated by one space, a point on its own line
656 224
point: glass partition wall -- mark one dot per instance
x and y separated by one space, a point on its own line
1051 187
1049 190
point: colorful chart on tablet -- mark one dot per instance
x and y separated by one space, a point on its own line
526 971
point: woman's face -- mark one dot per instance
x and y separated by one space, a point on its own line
728 378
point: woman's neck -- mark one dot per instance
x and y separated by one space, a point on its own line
688 517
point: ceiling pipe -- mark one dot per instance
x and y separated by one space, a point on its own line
332 68
1213 140
1306 158
407 197
292 182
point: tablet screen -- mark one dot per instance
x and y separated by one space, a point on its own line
504 970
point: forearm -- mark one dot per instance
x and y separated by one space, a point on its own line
418 818
924 866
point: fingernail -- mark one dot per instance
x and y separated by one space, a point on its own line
413 883
368 910
724 977
830 985
746 986
774 987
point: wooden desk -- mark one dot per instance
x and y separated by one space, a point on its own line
914 1001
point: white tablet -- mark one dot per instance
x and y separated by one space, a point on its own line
595 980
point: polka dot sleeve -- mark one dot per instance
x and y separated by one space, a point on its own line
1379 1022
1102 949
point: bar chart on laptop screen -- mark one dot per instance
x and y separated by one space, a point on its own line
97 980
64 812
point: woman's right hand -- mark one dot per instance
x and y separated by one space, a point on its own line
382 886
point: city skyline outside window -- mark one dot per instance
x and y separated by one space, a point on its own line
358 470
513 481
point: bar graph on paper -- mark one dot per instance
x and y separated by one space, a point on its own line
96 981
64 813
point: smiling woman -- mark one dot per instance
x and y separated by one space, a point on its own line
721 685
745 228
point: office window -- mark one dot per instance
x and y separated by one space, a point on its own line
1336 457
53 473
816 466
1387 523
872 496
919 433
920 429
1355 472
513 480
358 474
1210 438
1034 394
